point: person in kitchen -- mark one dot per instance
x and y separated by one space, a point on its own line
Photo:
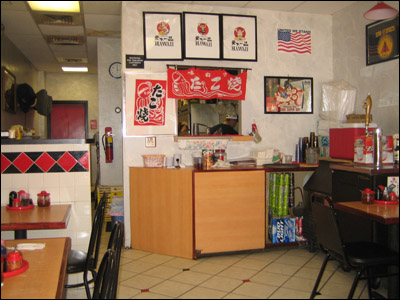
226 128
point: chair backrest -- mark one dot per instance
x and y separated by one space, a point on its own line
326 226
105 286
117 240
95 236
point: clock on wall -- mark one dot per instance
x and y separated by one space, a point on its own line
115 70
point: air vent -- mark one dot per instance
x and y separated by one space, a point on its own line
57 20
72 60
65 40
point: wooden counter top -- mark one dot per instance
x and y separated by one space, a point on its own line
277 168
366 169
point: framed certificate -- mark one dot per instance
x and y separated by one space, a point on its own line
162 36
201 36
239 37
382 38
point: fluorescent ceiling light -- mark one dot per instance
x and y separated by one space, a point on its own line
74 69
64 6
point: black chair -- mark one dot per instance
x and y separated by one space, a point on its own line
115 243
81 262
105 286
364 257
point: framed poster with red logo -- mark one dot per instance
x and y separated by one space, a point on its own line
162 36
201 36
147 108
382 39
239 36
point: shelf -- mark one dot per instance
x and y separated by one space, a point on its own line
233 138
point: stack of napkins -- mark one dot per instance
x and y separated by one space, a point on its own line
31 246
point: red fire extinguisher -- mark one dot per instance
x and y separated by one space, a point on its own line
108 145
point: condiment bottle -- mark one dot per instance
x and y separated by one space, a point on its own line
14 261
220 154
11 197
43 199
367 196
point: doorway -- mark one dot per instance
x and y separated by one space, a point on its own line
68 120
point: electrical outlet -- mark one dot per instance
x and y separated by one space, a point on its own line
150 141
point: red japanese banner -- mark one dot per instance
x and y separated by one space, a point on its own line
150 102
206 84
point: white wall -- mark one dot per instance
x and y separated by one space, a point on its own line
278 131
349 63
110 96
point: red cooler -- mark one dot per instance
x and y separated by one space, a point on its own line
341 140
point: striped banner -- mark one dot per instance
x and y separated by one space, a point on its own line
298 41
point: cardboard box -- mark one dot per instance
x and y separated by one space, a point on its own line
112 191
355 118
364 149
283 230
341 140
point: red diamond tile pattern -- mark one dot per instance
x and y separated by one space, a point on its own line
23 162
84 161
45 162
67 161
5 163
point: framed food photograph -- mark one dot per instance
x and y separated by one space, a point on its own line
162 36
8 91
382 38
289 95
239 37
201 36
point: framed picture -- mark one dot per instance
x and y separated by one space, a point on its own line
147 108
162 36
8 91
382 38
201 36
239 37
288 95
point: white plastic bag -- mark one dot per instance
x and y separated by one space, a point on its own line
338 100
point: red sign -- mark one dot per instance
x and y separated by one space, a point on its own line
150 96
206 84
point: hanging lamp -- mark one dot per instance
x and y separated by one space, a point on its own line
381 11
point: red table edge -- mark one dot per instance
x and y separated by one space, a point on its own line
46 225
63 269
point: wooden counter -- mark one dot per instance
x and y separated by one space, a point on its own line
188 212
366 169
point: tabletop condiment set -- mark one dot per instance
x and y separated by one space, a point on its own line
23 199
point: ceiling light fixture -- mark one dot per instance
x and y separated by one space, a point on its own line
74 69
60 6
381 11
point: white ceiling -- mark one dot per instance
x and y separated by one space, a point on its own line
103 19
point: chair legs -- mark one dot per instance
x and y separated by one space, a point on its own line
321 272
85 283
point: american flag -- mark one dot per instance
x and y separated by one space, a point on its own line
294 41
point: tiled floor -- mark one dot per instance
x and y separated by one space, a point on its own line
276 273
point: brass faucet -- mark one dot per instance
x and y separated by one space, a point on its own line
367 105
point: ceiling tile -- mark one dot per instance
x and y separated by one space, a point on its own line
102 7
103 25
18 22
61 30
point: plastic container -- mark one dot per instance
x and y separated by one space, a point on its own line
342 139
367 196
43 199
153 161
14 261
220 154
